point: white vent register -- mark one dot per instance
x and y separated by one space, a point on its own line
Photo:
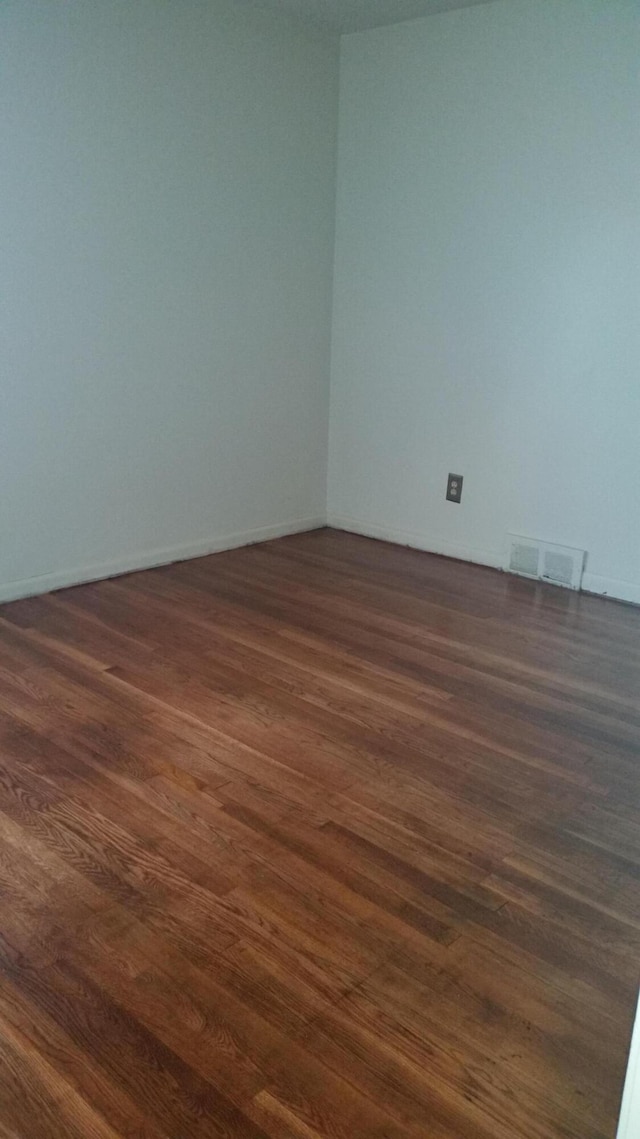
544 561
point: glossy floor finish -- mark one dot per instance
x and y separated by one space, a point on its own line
319 838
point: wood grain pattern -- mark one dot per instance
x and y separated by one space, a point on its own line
320 839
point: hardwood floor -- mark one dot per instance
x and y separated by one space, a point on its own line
319 838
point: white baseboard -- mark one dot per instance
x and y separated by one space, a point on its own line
417 541
629 1127
591 583
59 579
611 587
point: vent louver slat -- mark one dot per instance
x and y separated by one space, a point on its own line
558 567
524 559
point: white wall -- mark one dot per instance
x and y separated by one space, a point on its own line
487 283
629 1127
167 187
166 229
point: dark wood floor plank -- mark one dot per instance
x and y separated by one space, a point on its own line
51 1042
393 1038
319 839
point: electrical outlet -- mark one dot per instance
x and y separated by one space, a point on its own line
454 488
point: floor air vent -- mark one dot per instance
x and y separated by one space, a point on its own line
544 561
